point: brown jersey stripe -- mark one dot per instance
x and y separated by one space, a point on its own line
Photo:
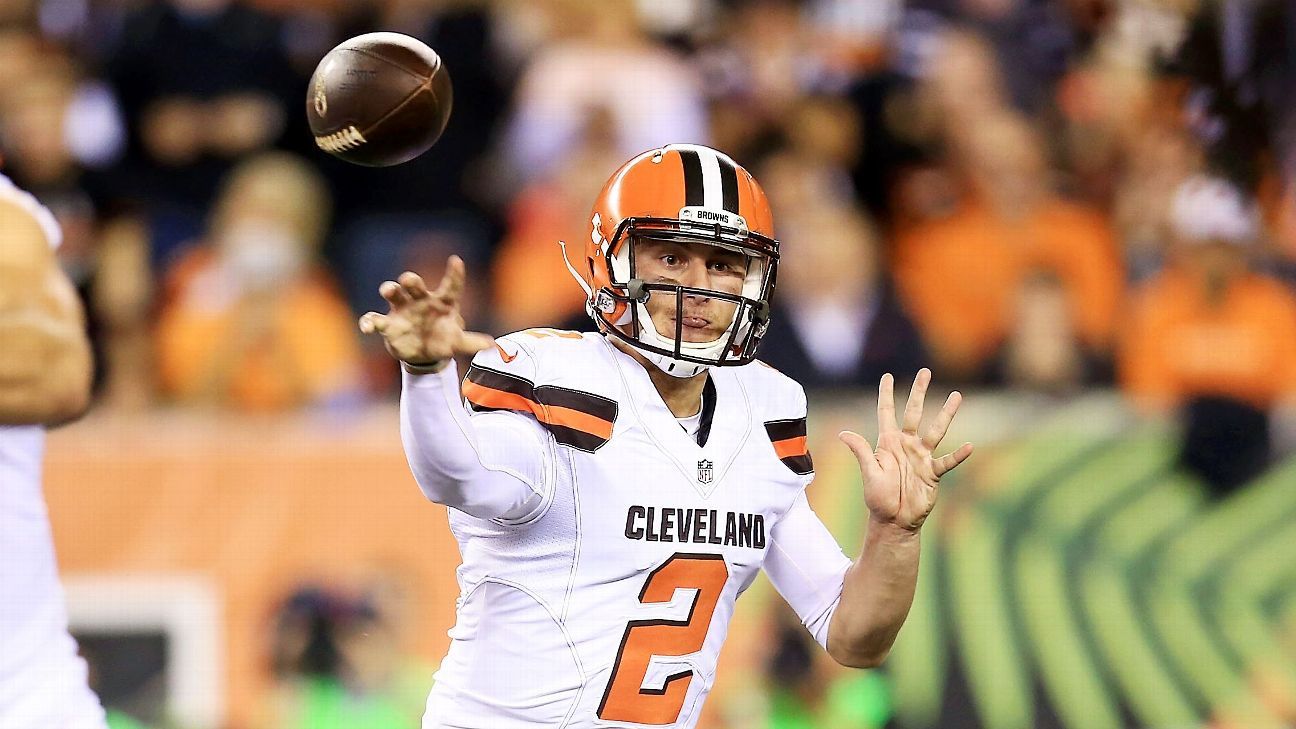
785 429
502 381
574 418
789 439
592 405
801 465
486 398
551 395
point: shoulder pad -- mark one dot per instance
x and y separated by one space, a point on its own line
782 403
517 375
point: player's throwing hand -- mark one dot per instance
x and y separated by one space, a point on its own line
424 328
901 476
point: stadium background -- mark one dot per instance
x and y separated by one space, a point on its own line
987 186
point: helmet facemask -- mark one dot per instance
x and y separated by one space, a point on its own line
627 296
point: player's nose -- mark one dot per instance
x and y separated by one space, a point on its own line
695 274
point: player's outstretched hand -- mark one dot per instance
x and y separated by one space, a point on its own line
424 328
901 476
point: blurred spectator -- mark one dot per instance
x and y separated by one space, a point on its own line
530 283
249 318
808 692
1156 161
334 665
202 83
601 60
837 322
1239 59
826 132
1210 335
960 275
1033 41
1043 351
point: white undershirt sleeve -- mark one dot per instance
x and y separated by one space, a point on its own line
491 465
807 567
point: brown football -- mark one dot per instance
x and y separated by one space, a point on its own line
379 99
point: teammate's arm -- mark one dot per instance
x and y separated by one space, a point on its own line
490 466
900 486
45 361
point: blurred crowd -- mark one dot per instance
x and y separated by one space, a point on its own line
1046 195
1043 194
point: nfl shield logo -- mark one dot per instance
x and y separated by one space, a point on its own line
705 472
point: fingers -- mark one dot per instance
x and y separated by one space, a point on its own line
394 293
886 404
451 286
936 431
474 342
859 445
414 285
947 462
373 322
917 396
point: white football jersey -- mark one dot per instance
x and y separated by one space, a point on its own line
42 679
604 597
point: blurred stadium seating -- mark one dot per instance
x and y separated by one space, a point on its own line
1001 176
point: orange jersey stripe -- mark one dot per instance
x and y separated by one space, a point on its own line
790 447
489 397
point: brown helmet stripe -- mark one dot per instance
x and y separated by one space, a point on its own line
694 187
728 184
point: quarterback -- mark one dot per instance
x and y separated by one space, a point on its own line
44 380
613 493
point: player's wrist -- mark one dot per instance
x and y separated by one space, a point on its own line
892 531
425 368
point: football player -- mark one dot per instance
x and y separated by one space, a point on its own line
613 493
45 372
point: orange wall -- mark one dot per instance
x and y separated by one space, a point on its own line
257 506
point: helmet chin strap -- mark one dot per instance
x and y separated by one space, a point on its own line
675 367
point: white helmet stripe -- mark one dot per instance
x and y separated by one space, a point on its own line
712 189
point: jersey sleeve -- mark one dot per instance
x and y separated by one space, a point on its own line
491 464
807 567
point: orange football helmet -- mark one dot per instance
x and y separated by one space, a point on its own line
686 193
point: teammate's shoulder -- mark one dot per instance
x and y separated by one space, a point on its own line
23 218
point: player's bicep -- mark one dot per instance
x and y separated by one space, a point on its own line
516 445
807 567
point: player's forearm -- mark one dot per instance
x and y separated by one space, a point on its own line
876 596
45 370
441 445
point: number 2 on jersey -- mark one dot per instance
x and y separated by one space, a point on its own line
624 699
